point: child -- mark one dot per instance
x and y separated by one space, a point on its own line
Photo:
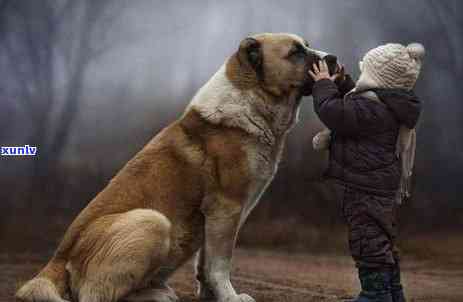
371 141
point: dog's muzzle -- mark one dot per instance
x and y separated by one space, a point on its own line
331 60
315 56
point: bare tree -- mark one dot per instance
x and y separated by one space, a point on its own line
48 46
449 16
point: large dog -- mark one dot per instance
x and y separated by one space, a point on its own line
190 189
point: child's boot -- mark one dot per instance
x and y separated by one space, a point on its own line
376 286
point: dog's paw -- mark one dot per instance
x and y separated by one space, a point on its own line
242 298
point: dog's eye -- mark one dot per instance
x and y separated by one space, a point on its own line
297 56
298 52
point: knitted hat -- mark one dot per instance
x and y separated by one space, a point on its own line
394 65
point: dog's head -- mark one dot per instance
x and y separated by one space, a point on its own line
279 63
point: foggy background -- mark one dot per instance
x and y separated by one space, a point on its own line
90 82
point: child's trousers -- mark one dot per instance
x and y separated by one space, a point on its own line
371 221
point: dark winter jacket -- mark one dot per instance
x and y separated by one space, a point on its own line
364 134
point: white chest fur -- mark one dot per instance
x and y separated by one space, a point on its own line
268 123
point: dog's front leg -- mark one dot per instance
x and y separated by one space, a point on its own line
222 217
205 292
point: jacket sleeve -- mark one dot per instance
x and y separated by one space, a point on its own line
339 116
346 85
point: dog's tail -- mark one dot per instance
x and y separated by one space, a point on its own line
49 285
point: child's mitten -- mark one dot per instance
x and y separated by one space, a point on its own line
321 141
405 150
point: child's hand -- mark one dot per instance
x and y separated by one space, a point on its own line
321 72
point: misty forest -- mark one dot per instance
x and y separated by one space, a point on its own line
89 83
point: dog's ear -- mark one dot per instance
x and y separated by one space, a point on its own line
250 53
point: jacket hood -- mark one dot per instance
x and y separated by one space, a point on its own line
403 103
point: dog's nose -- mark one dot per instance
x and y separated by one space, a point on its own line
330 59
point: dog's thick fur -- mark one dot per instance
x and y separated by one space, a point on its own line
189 190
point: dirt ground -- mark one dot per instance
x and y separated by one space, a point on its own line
277 276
